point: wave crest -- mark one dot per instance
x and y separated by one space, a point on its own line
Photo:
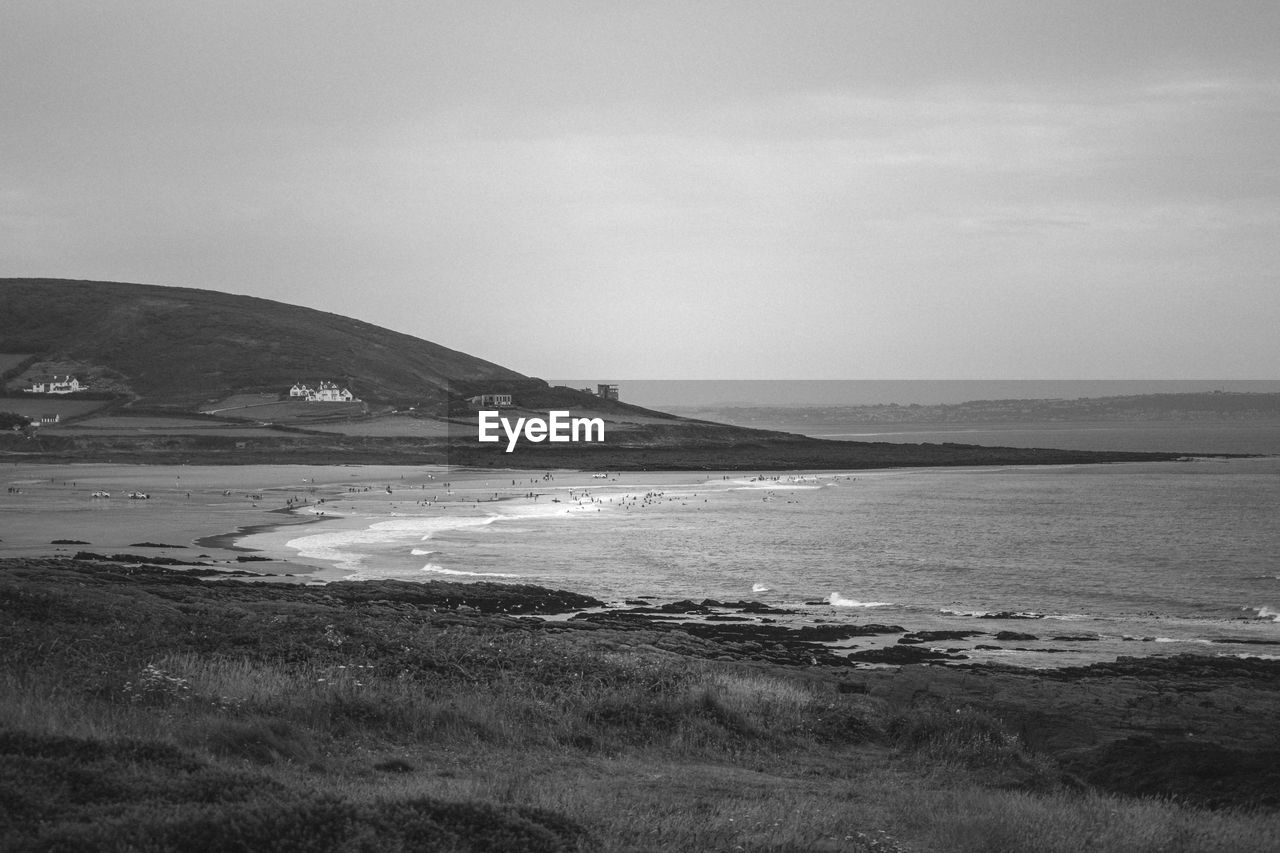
838 600
441 570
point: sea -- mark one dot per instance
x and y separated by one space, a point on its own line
1085 563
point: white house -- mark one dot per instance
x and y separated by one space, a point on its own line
66 385
327 392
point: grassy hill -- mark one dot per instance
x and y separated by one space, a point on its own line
181 348
151 352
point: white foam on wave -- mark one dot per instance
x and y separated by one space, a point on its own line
320 509
348 549
1008 614
1265 612
838 600
771 485
340 547
759 587
441 570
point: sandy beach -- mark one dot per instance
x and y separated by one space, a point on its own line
195 510
224 512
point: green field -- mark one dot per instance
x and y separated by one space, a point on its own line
34 406
391 425
159 425
267 408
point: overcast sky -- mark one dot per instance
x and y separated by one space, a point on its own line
731 190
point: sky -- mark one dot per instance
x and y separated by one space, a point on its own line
688 190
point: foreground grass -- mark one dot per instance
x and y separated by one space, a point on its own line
161 716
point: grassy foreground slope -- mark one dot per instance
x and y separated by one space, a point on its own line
146 709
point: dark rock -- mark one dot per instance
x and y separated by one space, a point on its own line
872 628
484 597
1184 666
1247 641
684 606
934 636
901 655
754 607
133 558
1008 636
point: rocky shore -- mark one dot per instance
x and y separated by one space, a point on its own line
1199 729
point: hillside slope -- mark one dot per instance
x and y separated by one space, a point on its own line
183 350
181 347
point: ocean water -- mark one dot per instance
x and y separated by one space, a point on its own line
1151 558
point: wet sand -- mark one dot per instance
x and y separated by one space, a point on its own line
216 512
192 510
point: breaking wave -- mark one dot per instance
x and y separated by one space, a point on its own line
1265 612
838 600
441 570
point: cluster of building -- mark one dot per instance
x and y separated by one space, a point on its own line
603 391
325 392
66 385
503 401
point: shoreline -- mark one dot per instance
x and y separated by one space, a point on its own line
228 541
1140 726
922 633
